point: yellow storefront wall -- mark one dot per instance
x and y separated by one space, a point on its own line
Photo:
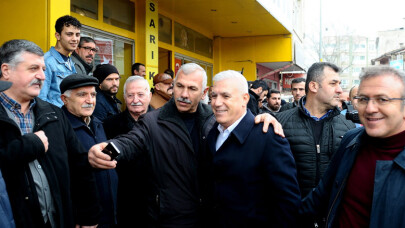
35 21
245 52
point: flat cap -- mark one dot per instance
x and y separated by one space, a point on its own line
162 77
76 81
5 85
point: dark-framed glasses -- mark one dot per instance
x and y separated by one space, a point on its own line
381 101
95 50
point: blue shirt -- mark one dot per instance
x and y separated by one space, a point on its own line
56 70
314 117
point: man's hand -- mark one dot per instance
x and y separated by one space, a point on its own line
41 135
268 119
100 160
79 226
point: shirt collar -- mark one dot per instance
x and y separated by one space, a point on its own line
221 129
13 105
314 117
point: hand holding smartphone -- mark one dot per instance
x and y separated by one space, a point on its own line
111 150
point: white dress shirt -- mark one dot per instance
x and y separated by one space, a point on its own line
224 133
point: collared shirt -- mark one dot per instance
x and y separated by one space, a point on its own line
224 133
26 123
314 117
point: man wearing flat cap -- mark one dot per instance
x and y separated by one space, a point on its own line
48 177
163 90
109 82
79 99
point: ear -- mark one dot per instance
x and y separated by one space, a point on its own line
313 87
64 99
5 71
205 92
157 87
57 36
245 98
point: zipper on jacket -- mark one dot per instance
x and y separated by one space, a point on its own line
318 165
334 201
157 200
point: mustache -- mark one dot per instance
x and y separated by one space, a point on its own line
185 100
89 56
36 82
136 104
87 106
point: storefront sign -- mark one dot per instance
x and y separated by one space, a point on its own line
151 47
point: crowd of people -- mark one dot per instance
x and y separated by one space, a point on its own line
244 160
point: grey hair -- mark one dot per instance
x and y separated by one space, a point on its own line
11 51
375 71
236 76
68 93
189 68
133 79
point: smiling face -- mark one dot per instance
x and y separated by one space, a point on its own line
68 40
382 121
137 98
228 102
27 77
81 101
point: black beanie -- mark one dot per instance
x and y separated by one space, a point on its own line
104 70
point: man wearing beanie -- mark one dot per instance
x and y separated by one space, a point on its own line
163 90
109 82
79 98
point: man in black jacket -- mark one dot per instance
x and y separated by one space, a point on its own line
257 93
174 138
315 128
48 178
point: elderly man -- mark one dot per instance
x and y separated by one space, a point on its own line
364 184
253 186
79 98
58 62
48 177
6 218
163 90
107 102
83 56
132 180
173 137
137 97
298 91
315 129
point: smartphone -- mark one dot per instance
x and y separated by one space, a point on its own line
111 150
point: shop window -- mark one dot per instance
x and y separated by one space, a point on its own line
182 59
87 8
120 13
191 40
165 29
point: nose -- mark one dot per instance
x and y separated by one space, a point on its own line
40 75
184 93
339 89
371 106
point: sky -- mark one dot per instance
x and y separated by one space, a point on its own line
362 17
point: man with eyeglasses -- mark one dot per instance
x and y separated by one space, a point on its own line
364 184
83 56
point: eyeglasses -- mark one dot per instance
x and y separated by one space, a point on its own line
363 100
95 50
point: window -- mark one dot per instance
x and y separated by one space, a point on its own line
191 40
87 8
356 81
165 29
120 13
